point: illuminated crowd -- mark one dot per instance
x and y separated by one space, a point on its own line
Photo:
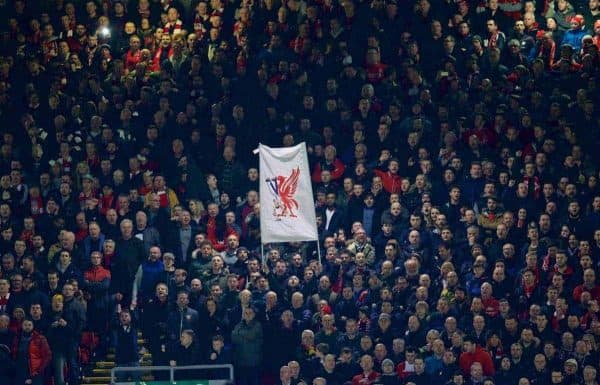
453 148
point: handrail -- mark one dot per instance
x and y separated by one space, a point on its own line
171 370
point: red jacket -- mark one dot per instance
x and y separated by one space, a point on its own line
491 306
39 352
337 169
479 355
96 274
402 372
361 379
594 292
391 182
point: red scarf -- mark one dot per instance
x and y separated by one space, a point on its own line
36 206
199 28
492 43
108 260
528 290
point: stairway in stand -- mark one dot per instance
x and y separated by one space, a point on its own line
99 371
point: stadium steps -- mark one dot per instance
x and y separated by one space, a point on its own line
99 371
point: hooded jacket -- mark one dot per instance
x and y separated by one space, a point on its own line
574 35
39 354
479 355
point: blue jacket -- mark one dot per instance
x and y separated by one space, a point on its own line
87 246
152 274
573 38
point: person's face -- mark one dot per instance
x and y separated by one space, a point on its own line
468 346
476 371
68 291
53 279
519 26
126 228
570 369
182 300
516 351
589 374
366 363
586 262
96 258
65 258
419 365
556 377
180 276
134 43
155 254
248 314
27 326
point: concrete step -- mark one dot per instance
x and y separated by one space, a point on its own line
110 357
96 380
101 372
106 379
105 364
110 364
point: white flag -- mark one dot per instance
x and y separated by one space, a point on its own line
287 209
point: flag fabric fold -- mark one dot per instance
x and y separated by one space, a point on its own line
287 208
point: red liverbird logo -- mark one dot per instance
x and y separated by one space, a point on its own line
283 190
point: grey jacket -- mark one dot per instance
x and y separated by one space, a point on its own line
151 237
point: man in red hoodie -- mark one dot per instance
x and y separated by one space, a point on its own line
390 178
473 353
31 349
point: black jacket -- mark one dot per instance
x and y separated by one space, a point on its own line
74 314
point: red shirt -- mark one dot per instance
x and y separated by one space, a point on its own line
362 379
594 292
375 73
132 59
4 302
479 355
491 306
96 274
391 182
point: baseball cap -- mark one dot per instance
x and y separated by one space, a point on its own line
571 361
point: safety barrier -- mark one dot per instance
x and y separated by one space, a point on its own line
172 370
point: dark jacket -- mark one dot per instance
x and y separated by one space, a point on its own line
74 314
125 343
59 337
7 365
184 356
180 320
129 255
247 341
71 272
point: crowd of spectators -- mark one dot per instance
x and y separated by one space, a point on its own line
454 157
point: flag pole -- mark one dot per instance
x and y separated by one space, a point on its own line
262 254
319 250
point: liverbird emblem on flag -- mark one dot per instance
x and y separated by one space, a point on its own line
283 190
287 208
